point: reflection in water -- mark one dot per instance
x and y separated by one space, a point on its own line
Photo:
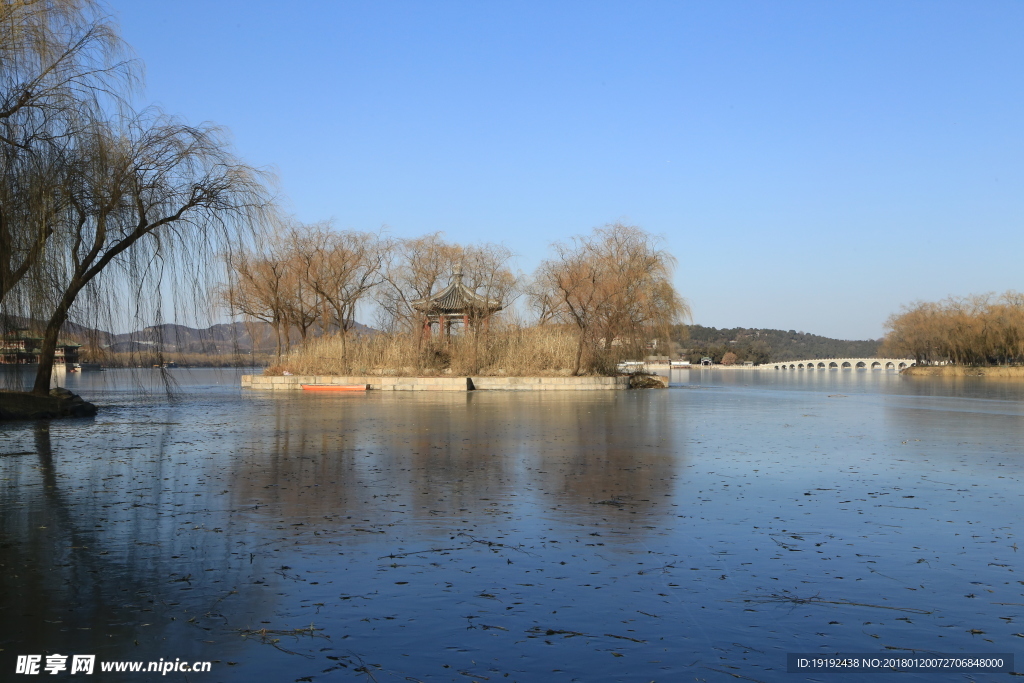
596 536
858 381
91 554
21 377
579 449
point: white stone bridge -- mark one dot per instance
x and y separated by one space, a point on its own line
843 364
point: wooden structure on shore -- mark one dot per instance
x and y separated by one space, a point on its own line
455 304
19 347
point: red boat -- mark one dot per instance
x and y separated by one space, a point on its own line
335 387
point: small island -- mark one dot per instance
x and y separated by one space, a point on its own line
600 299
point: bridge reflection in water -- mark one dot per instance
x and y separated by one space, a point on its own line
843 364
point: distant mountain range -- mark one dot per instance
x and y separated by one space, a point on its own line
216 339
225 338
694 341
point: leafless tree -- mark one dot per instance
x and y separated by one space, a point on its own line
308 277
339 269
613 285
487 270
422 266
419 267
972 330
148 195
257 292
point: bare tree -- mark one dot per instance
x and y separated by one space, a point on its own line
486 269
100 205
613 285
340 268
911 333
422 266
303 307
148 192
257 292
972 330
419 267
308 277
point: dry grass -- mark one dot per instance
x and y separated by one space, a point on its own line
509 351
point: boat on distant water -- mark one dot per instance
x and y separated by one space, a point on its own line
85 367
335 387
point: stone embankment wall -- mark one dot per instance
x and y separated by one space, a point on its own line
550 383
294 382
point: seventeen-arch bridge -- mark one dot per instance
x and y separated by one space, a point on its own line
843 364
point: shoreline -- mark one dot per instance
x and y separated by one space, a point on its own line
996 371
60 403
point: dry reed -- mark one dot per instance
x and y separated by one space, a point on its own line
511 350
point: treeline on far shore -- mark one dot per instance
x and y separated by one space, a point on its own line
740 344
975 330
193 360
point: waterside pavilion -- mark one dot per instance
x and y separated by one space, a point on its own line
19 347
455 304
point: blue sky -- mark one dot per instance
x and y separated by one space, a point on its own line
812 165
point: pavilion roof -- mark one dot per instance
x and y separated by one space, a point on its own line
457 298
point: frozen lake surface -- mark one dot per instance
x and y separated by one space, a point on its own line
700 532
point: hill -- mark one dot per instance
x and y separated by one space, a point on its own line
221 339
765 345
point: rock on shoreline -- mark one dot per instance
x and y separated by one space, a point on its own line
648 381
20 405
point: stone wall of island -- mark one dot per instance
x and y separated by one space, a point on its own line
379 383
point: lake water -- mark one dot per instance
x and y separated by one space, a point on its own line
696 533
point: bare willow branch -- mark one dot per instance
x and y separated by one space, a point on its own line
147 196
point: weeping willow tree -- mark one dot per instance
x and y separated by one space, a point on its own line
103 209
148 197
614 286
974 330
62 65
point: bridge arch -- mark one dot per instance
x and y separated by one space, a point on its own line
843 364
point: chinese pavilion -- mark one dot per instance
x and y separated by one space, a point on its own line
455 304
